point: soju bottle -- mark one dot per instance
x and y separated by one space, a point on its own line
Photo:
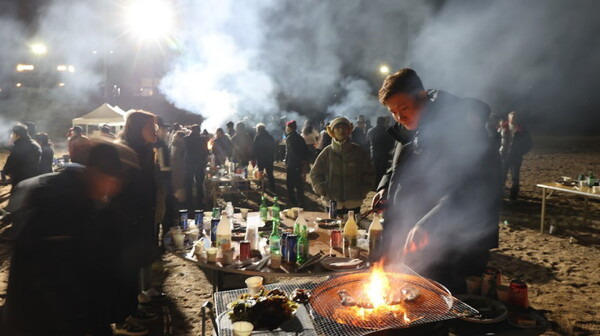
591 180
264 211
276 210
275 239
302 247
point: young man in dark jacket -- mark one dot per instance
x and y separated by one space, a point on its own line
24 159
515 143
196 157
264 152
381 144
443 195
62 271
296 161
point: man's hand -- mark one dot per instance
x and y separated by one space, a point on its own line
416 240
180 195
379 199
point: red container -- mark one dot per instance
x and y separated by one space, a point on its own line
336 241
244 250
518 294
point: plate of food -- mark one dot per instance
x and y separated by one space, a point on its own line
342 264
267 310
490 311
527 318
328 223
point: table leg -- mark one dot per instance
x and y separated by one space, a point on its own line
543 210
215 282
585 211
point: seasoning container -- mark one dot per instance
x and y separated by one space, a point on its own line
518 294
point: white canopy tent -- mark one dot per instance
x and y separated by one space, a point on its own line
112 116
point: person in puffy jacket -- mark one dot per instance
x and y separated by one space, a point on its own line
343 171
515 142
24 159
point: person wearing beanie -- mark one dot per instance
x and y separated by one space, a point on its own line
24 159
296 161
343 171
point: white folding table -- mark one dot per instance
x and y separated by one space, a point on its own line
586 192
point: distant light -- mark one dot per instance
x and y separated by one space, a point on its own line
18 85
111 52
24 67
150 19
71 68
38 49
61 84
384 69
61 68
94 51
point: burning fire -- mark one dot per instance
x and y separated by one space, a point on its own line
376 300
210 144
413 245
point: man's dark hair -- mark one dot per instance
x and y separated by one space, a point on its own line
404 81
195 129
20 130
381 121
105 129
229 124
77 130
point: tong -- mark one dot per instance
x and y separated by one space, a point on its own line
313 260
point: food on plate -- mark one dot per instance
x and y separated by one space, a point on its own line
346 299
300 295
266 310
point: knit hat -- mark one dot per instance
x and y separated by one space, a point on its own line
291 123
338 121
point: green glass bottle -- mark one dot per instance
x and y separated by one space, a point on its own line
264 211
276 210
302 247
275 239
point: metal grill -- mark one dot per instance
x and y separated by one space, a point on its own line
325 314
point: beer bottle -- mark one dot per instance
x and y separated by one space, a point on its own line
302 247
275 239
276 209
264 211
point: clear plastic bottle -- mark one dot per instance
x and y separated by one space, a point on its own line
350 233
224 232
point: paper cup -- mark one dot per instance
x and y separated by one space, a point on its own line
211 254
244 213
254 284
242 328
178 240
275 261
473 285
503 293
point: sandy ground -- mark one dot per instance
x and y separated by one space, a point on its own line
563 273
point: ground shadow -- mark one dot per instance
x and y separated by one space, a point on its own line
515 268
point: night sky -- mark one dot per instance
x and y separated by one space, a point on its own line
319 59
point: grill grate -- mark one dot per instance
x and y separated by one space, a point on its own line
320 310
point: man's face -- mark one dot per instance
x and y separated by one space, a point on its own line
289 130
362 125
14 137
341 132
405 109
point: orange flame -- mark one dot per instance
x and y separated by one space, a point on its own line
210 144
375 300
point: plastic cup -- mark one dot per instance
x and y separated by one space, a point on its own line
211 254
254 284
503 293
242 328
244 213
178 240
474 285
275 261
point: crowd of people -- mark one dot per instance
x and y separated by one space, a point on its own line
87 235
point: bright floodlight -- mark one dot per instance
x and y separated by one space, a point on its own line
384 69
150 19
38 49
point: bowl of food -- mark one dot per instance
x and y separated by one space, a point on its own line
267 310
328 223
